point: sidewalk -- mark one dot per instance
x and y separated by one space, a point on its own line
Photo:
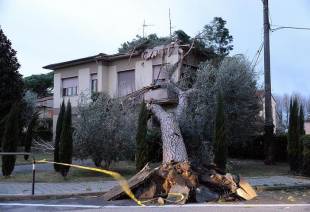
279 182
274 182
55 188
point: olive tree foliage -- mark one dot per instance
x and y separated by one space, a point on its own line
105 130
237 83
29 106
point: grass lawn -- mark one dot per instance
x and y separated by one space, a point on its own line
246 168
257 168
38 156
125 168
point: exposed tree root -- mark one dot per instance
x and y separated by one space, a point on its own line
182 182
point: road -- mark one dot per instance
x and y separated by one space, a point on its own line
169 208
288 201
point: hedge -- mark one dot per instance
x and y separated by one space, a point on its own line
254 148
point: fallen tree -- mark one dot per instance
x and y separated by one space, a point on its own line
177 180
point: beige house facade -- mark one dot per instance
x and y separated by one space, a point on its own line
275 117
117 75
307 126
44 106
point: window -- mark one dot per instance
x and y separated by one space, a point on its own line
93 83
160 73
126 82
69 86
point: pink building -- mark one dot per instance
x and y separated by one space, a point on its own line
307 126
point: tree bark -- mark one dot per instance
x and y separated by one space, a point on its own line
182 101
173 144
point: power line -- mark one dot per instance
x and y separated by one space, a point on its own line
289 27
257 55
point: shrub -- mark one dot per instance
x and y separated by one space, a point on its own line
254 148
306 155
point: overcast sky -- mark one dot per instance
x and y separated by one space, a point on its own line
49 31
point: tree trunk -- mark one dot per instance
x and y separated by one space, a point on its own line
173 144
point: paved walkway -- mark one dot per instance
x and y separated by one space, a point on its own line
55 188
85 187
279 181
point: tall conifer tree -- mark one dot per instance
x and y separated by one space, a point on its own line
11 83
142 146
10 139
30 132
293 137
301 120
220 145
66 141
57 134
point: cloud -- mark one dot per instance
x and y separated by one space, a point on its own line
48 31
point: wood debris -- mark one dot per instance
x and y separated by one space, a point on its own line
179 183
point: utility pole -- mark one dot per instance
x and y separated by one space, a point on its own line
144 25
170 23
269 159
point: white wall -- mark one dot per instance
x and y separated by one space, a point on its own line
107 77
307 127
274 112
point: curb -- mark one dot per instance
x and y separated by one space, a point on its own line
12 197
277 188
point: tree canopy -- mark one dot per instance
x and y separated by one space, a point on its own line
40 84
216 37
143 42
237 82
105 129
11 86
213 39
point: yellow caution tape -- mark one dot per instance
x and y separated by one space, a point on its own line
121 180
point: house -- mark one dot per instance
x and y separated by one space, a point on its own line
44 106
119 74
275 116
307 125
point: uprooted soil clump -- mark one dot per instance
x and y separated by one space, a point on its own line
180 183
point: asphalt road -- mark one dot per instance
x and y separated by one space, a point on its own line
169 208
287 201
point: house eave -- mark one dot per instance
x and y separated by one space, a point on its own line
96 58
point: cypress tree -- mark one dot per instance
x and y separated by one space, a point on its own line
10 139
142 147
220 145
30 132
11 82
66 142
301 120
293 137
301 125
58 133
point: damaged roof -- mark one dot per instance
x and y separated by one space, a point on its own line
98 57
